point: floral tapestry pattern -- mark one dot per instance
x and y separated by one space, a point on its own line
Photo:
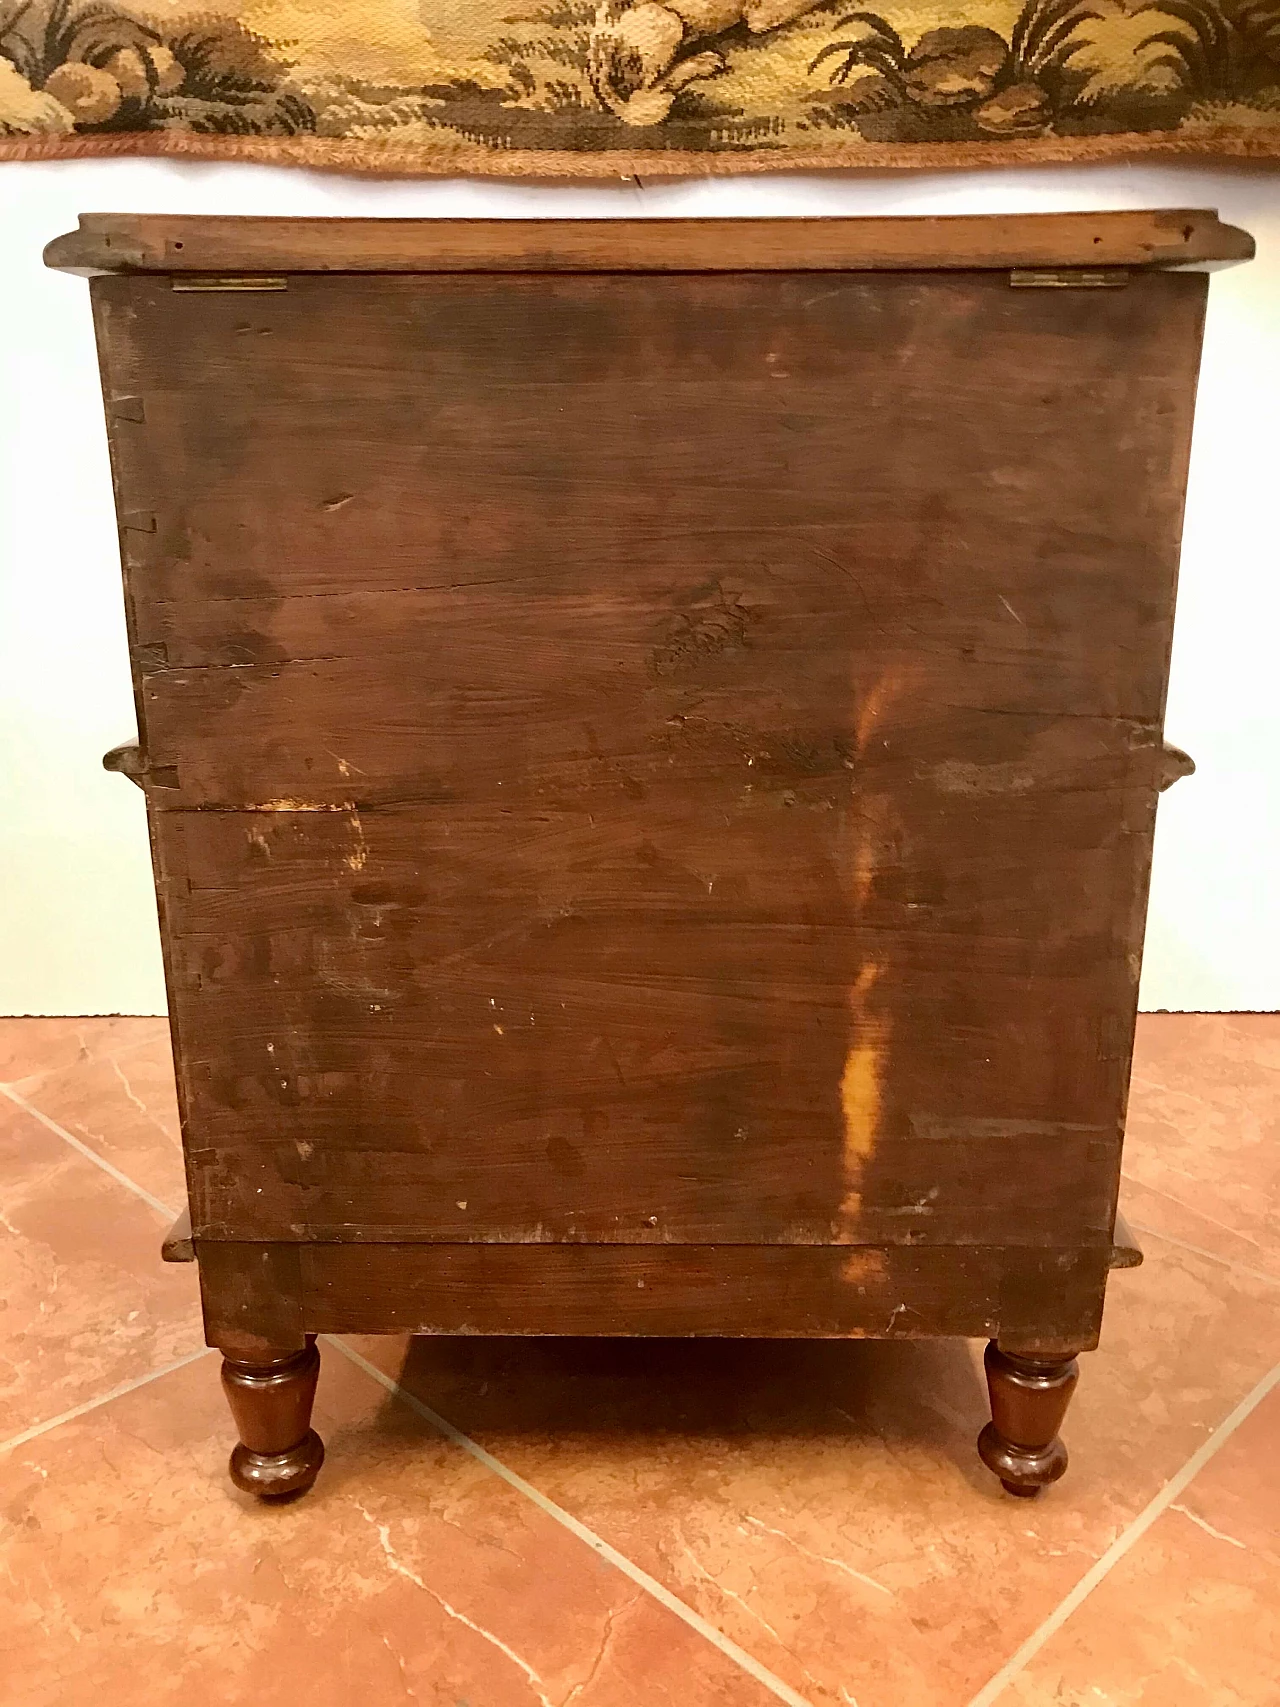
597 87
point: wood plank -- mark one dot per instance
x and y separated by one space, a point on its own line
1049 1299
128 242
657 760
459 562
497 1031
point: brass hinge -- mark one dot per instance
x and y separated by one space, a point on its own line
1069 278
250 282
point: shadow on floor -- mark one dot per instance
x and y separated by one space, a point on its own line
926 1393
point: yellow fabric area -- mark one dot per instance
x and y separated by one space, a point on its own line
589 87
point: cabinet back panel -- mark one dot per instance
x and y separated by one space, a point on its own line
654 759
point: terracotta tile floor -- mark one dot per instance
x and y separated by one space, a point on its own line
602 1524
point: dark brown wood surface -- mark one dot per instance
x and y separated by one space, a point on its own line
1053 1298
1029 1399
169 243
260 1297
271 1394
653 760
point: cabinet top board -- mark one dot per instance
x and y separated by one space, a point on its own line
174 243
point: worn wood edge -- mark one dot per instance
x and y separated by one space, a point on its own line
379 1235
179 1246
126 760
1125 1249
1154 238
1174 765
130 761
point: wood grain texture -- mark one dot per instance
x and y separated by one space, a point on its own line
473 1040
653 760
735 1291
129 242
251 1295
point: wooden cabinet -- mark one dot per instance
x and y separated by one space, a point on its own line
651 734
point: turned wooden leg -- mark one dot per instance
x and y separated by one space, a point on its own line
270 1397
1029 1398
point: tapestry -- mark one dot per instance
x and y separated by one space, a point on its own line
595 88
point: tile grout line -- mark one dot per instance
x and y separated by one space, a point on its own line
1212 1220
89 1059
1125 1541
102 1399
14 1096
1209 1256
89 1154
985 1696
598 1545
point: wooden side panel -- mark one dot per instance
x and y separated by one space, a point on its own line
1047 1301
656 760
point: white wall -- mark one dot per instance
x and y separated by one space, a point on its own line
77 920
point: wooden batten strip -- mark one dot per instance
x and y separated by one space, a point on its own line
226 247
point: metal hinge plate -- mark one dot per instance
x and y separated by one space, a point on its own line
250 282
1069 278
